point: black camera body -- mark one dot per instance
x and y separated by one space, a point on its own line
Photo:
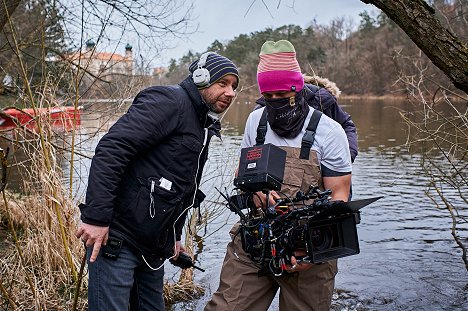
324 230
322 239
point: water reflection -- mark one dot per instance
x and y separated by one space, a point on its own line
378 121
408 258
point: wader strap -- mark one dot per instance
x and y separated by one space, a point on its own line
309 136
261 129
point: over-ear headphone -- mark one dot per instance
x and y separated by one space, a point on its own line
201 75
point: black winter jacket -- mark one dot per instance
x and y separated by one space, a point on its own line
321 99
145 169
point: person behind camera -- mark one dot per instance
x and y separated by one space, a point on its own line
143 178
284 121
322 94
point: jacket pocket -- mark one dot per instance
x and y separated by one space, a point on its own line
191 143
153 212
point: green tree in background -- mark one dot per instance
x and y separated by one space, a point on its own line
38 29
442 46
367 22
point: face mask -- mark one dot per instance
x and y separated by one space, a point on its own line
286 116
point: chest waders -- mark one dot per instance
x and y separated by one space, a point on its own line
241 286
302 167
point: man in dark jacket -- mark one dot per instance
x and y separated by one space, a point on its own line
143 178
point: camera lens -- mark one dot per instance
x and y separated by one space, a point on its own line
322 238
295 238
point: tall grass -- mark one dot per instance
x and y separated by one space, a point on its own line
42 264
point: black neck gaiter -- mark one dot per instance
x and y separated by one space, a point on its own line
286 116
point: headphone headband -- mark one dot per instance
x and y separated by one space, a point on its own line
203 58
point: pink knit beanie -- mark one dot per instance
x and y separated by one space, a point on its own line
278 69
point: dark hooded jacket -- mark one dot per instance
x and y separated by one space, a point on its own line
321 99
145 169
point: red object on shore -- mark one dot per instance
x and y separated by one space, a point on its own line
64 116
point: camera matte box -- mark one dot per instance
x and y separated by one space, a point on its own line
261 168
343 238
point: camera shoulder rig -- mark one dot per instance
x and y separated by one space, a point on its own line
324 230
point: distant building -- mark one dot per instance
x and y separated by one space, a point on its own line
104 64
159 71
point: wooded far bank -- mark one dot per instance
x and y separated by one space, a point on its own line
369 60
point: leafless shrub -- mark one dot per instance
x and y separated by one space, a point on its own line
41 261
442 138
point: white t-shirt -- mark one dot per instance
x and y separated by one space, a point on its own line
330 144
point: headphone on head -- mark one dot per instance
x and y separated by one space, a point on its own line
201 75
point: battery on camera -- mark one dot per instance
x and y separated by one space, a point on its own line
261 168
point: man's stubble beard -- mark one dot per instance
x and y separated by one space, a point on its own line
216 109
211 107
210 101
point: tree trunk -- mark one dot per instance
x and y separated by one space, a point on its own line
417 19
5 5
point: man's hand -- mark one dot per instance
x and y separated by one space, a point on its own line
177 249
259 199
93 235
297 266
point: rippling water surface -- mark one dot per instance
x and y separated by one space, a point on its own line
408 258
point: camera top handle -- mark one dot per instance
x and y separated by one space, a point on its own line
314 192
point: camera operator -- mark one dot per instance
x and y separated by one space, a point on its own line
144 177
317 155
322 94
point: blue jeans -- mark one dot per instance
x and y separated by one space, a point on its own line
125 283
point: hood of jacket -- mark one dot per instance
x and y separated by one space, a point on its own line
320 82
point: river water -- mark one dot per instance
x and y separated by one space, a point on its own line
408 259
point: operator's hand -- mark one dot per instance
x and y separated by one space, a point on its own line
94 236
298 266
259 199
178 248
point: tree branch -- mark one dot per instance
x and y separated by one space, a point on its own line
417 19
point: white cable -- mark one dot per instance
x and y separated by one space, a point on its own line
154 269
190 206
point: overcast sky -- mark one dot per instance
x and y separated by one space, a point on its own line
223 20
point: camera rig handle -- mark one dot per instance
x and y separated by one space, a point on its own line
314 192
236 208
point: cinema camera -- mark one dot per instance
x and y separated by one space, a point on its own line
323 229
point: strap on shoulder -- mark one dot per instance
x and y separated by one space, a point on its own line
261 129
309 136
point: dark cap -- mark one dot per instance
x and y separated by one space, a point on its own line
218 66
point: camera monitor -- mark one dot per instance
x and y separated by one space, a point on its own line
261 168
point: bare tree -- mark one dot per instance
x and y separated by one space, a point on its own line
418 20
43 267
7 7
152 23
442 134
438 124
